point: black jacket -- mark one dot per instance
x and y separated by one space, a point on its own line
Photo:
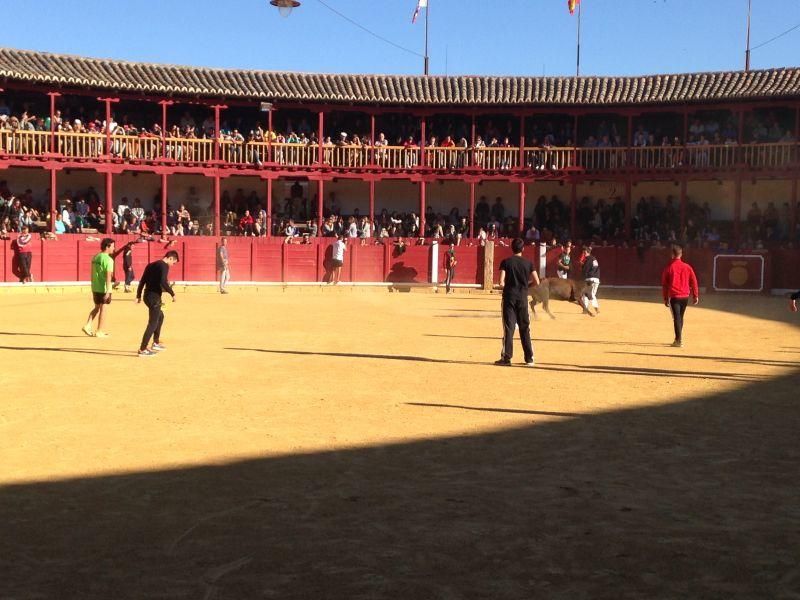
591 268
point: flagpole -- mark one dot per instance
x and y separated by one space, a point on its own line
578 64
427 10
747 50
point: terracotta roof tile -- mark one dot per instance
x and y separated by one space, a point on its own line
124 76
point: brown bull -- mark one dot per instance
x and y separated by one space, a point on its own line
554 288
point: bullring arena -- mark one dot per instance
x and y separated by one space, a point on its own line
299 439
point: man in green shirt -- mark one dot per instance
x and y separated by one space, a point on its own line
102 272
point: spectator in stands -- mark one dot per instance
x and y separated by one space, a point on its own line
290 231
68 216
247 224
498 210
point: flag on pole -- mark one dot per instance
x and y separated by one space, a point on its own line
420 5
572 5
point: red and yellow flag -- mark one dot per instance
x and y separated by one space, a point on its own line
572 5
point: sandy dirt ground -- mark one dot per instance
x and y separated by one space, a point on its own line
360 444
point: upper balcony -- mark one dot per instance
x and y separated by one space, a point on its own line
536 162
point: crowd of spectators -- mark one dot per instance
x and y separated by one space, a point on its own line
658 141
654 221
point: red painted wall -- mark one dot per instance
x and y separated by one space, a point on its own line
265 259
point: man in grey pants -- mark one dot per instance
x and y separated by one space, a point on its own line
223 269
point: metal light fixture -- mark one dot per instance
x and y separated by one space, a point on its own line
285 7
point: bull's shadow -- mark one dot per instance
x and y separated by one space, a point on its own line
693 499
401 274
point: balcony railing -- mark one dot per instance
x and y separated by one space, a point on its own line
24 143
87 146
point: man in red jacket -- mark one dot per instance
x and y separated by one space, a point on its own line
677 281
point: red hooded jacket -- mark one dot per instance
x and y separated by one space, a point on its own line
678 279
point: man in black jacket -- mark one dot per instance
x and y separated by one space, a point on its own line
591 274
155 281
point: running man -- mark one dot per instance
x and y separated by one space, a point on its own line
516 276
450 263
564 261
155 281
127 259
102 273
223 269
677 281
591 274
127 265
339 247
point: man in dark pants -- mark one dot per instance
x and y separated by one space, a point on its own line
127 265
24 244
154 281
516 274
677 281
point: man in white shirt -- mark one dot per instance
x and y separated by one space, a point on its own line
338 258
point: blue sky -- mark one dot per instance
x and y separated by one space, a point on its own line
487 37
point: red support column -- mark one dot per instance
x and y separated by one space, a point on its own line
573 210
269 208
521 227
737 210
109 102
320 151
630 130
372 140
422 143
53 96
164 104
164 192
372 204
53 200
217 108
472 209
741 125
320 197
629 151
797 125
575 140
217 207
422 185
793 211
628 209
109 202
269 142
684 202
685 139
472 143
521 142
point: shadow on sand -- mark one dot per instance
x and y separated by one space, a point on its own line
693 499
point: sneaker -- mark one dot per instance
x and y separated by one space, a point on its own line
677 344
146 352
101 334
158 347
87 330
529 363
127 289
503 362
223 291
114 285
